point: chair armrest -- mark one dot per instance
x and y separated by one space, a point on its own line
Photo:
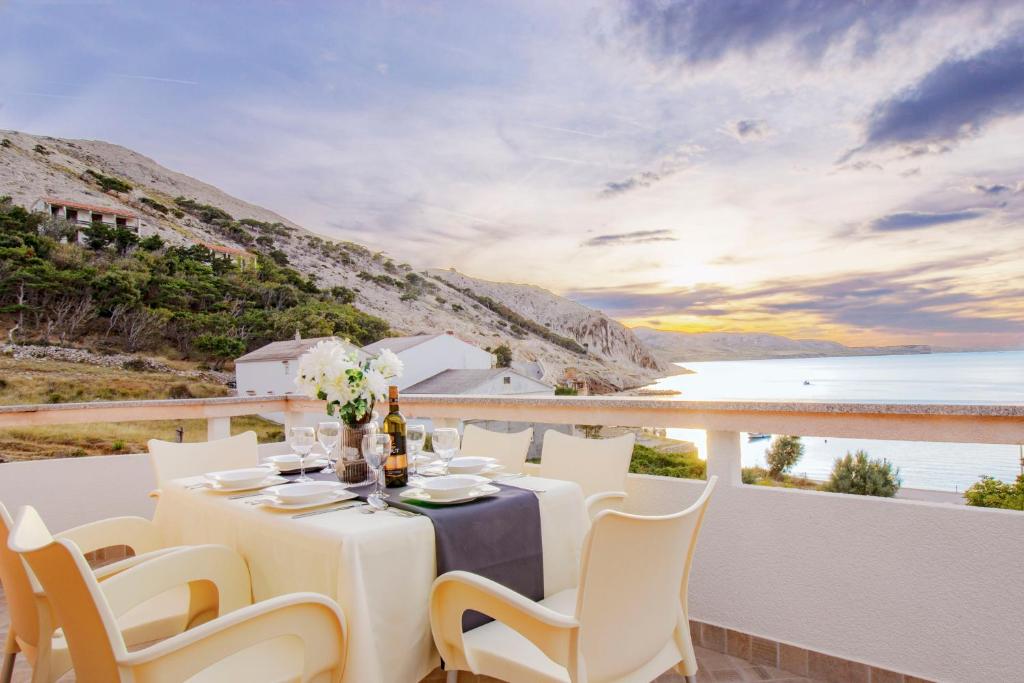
606 500
140 534
315 619
455 592
108 570
218 565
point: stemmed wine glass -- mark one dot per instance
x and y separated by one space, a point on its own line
376 449
302 441
415 437
329 434
445 441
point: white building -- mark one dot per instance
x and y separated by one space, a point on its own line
270 370
426 355
83 215
491 382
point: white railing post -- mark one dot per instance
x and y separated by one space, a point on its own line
724 457
218 428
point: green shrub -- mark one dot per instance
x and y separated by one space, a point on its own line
152 243
5 143
503 356
179 391
863 476
784 452
753 475
204 212
39 149
647 460
993 493
153 204
109 183
566 391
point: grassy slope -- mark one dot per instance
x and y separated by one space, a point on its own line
46 381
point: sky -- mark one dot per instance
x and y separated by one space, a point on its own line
840 169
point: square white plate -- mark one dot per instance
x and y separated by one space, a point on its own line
275 503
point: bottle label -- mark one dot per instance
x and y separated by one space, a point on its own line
396 467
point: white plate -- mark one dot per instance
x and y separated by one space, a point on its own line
421 495
305 492
269 481
436 469
240 477
470 464
452 485
338 496
291 462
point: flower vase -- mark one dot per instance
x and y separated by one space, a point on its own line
352 467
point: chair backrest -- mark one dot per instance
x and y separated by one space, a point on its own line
19 586
595 464
82 611
509 449
630 567
176 460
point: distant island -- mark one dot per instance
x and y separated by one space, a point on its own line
677 347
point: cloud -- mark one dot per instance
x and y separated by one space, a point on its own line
748 130
919 300
954 101
157 79
635 237
706 31
915 220
669 165
995 189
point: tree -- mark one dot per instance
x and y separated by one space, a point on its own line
98 235
993 493
784 452
503 356
220 348
864 476
152 243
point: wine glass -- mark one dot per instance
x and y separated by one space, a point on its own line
302 441
329 434
376 449
415 437
446 443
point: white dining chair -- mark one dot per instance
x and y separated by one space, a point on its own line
509 449
176 460
296 637
627 622
33 627
599 466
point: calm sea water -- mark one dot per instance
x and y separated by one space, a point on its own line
986 377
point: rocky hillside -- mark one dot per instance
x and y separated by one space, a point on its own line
675 347
558 335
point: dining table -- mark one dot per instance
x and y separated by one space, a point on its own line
378 567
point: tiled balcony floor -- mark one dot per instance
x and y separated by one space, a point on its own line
715 667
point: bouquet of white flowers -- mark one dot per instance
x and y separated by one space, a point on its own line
330 372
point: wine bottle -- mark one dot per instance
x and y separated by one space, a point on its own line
396 467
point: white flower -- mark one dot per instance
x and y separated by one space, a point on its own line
387 364
376 384
317 364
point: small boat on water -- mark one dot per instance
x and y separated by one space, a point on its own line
757 436
807 382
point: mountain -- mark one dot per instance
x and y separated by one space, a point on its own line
675 347
550 336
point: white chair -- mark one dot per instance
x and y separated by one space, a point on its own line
177 460
626 623
599 466
509 449
33 627
298 637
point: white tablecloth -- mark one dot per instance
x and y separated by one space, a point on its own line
378 567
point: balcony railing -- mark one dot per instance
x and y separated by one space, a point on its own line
925 589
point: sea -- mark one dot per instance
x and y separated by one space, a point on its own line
975 377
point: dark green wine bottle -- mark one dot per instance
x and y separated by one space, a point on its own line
396 467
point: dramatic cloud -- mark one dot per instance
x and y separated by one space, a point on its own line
747 130
635 237
706 31
953 101
915 220
919 299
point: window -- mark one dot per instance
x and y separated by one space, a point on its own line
506 379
